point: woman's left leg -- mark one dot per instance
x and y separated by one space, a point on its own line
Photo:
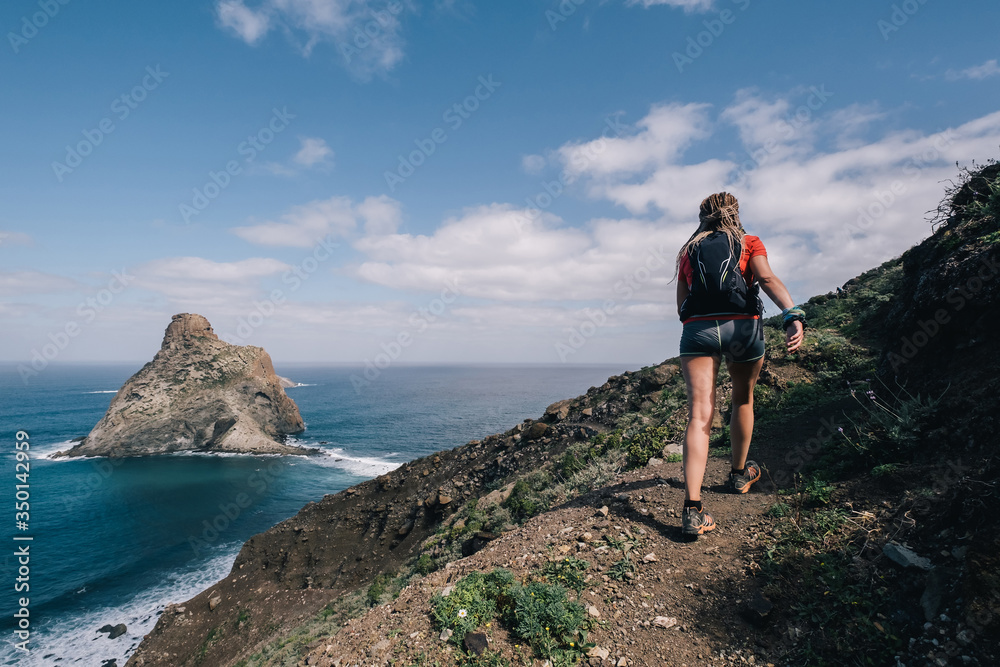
744 377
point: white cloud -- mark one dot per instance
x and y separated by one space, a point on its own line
851 124
832 204
377 50
19 283
242 20
498 252
663 136
307 224
977 73
686 5
533 164
278 169
313 151
196 282
382 215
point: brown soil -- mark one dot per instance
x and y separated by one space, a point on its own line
706 584
703 583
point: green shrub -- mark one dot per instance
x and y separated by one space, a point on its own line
623 569
887 427
673 397
647 444
567 572
474 600
764 397
551 623
424 565
818 491
778 510
524 501
377 589
987 204
539 613
884 470
607 441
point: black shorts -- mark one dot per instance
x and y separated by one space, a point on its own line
736 340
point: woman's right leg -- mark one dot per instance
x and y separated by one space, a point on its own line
700 373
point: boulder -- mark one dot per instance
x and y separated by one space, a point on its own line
659 376
536 431
114 631
558 411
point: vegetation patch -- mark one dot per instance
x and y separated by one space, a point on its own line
841 601
568 572
539 613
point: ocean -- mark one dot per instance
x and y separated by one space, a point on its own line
115 541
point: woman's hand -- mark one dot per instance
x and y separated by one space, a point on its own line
794 335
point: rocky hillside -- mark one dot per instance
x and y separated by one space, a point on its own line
197 394
872 540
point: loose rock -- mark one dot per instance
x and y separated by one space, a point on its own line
476 642
904 556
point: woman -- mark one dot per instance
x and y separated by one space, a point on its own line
721 314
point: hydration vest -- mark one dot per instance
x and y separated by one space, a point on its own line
717 285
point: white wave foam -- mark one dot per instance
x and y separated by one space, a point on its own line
301 384
47 450
75 639
361 466
102 391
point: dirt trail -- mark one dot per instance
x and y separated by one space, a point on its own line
705 585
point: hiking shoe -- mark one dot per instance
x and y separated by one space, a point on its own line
741 483
695 522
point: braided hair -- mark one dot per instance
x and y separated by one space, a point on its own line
718 213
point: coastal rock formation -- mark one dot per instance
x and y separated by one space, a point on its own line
201 394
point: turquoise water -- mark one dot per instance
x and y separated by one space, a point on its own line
114 541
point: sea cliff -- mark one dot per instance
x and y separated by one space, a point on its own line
201 394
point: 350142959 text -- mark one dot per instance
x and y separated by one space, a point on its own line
22 546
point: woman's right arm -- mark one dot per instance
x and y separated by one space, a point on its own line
779 294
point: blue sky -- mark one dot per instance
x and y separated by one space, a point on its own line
336 180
